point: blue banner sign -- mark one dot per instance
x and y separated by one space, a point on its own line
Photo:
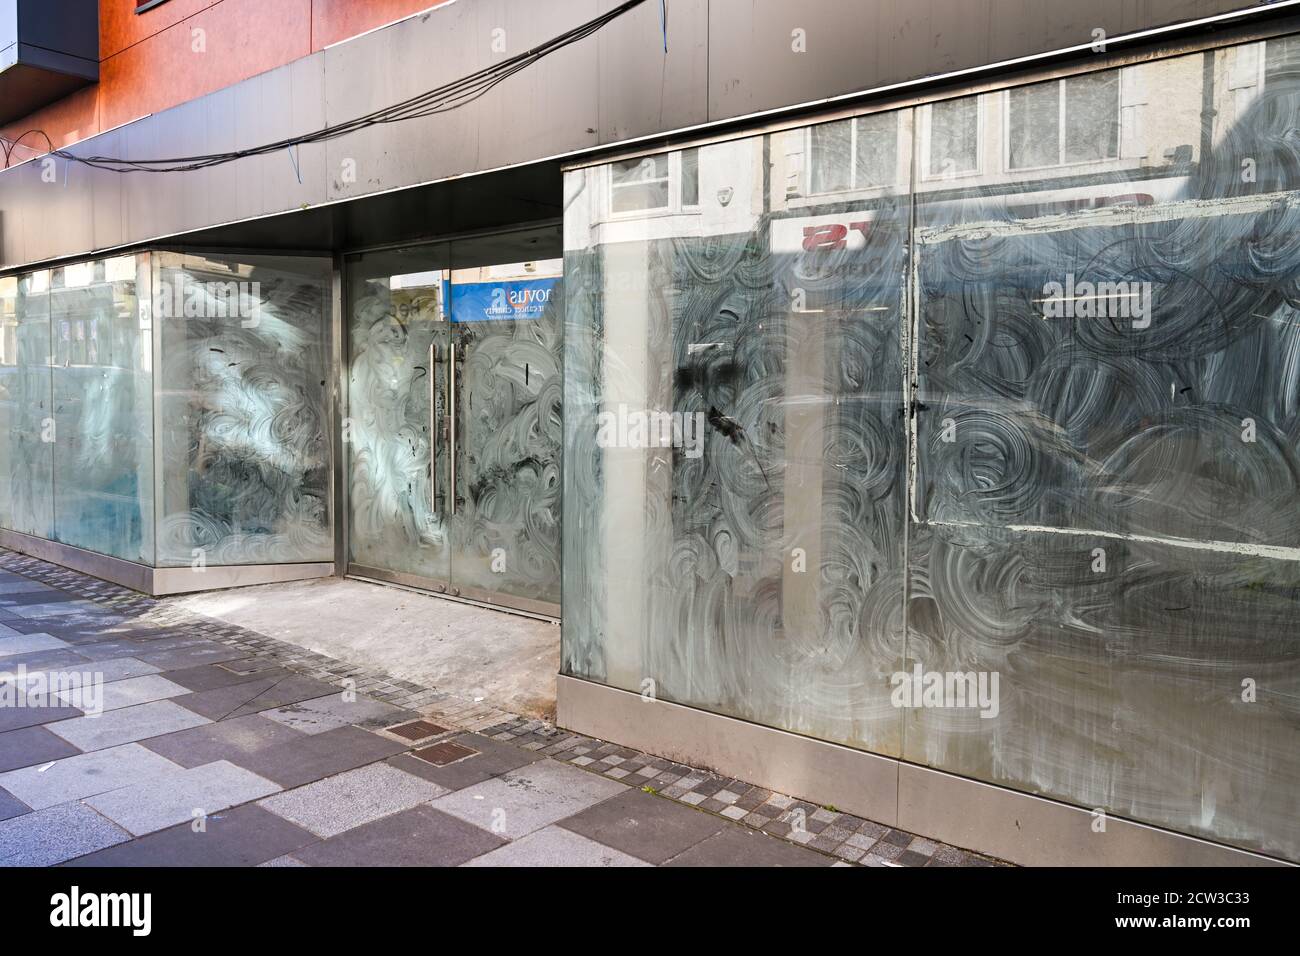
493 301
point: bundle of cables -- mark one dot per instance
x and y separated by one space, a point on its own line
440 100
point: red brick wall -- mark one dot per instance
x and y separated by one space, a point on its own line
148 61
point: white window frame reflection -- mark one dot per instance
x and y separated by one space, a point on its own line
854 186
930 175
674 182
1061 161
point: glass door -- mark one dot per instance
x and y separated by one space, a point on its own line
453 433
396 433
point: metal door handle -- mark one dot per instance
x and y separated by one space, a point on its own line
451 416
433 434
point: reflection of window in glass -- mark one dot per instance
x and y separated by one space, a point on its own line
853 154
1282 58
954 137
1075 120
639 184
691 177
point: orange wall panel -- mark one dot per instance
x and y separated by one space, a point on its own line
335 20
148 62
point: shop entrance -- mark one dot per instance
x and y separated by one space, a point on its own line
452 434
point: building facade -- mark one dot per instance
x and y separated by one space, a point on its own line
899 409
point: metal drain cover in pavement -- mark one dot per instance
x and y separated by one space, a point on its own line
416 730
444 753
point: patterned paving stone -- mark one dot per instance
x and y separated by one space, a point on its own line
244 836
84 775
11 806
30 746
181 797
335 804
554 846
128 724
645 826
232 740
737 846
50 836
315 756
319 714
529 798
420 836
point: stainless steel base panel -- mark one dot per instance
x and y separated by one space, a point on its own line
1002 823
159 582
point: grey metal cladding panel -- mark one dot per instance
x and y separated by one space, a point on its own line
862 44
107 189
59 214
285 102
544 110
389 66
641 89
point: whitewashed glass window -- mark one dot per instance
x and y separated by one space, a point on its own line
1075 120
861 153
954 135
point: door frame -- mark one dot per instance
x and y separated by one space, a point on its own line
342 502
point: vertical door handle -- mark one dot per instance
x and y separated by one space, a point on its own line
433 432
451 416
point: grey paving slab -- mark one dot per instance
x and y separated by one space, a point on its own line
11 806
83 775
315 756
420 836
123 668
529 798
320 714
648 827
335 804
253 697
127 693
181 797
285 860
53 835
62 608
493 759
128 724
104 650
42 660
554 846
191 656
23 586
735 845
212 676
27 643
231 739
30 746
18 711
243 836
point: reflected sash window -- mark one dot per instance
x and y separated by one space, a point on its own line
954 128
1075 120
861 153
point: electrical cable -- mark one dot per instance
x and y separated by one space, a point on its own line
442 99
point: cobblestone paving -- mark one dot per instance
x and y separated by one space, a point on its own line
221 746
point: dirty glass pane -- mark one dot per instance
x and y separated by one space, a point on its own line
954 136
831 156
243 425
877 150
1092 116
102 348
1034 118
735 449
26 407
1107 485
